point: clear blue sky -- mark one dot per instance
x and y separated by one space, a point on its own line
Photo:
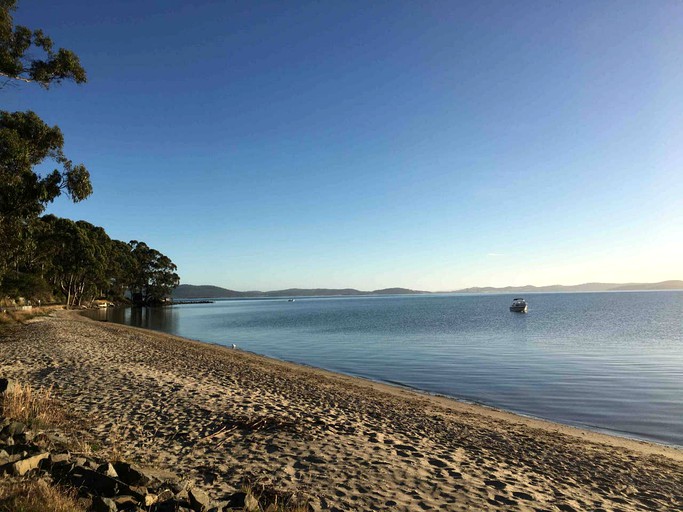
430 145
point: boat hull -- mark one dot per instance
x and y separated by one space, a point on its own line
519 309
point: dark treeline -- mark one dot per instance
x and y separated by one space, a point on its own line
76 262
48 258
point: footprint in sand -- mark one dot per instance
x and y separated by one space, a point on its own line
497 484
523 495
437 462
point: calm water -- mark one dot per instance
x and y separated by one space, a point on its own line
611 361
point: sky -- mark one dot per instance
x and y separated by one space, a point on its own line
428 145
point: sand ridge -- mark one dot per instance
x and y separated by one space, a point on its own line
220 415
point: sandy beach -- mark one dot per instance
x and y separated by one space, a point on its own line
220 416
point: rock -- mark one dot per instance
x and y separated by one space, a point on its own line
6 384
199 500
14 428
131 474
21 467
60 457
243 500
100 504
170 506
107 469
182 495
15 455
25 437
236 500
94 482
161 476
126 502
179 486
165 495
58 439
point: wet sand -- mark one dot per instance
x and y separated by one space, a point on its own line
219 416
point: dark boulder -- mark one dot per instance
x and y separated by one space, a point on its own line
131 474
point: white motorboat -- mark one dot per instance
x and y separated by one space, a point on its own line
519 305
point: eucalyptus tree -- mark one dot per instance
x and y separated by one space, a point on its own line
120 270
27 142
29 56
154 275
76 258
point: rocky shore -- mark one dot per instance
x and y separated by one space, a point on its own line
47 457
222 418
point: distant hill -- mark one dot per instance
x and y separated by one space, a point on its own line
664 285
586 287
189 291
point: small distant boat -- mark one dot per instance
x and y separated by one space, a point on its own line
290 300
519 305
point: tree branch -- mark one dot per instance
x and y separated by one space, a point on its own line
20 78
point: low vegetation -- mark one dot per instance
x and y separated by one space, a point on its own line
265 498
14 317
34 407
36 496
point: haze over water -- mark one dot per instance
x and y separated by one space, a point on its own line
610 361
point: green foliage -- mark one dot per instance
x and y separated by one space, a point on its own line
78 261
18 47
23 284
25 142
49 255
153 277
74 253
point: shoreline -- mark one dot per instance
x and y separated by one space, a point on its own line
349 442
581 428
454 403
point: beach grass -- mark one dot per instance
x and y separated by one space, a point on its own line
36 496
269 499
36 407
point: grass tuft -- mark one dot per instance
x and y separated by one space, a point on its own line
271 500
34 407
36 496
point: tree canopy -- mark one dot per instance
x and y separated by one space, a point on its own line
50 256
19 46
25 142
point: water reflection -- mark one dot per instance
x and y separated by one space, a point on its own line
165 319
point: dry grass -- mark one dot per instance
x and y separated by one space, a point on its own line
17 317
35 407
272 500
36 496
21 316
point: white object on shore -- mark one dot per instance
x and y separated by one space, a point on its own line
234 346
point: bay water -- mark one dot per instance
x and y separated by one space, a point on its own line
608 361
